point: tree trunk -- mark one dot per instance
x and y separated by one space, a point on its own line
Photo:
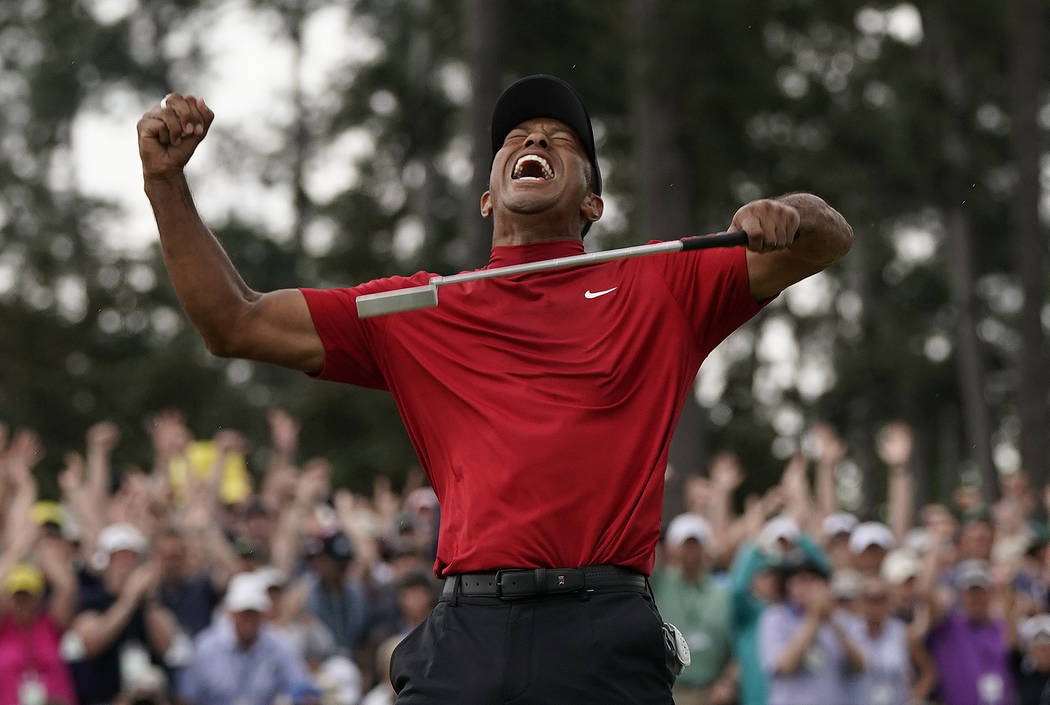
662 207
970 365
485 32
1027 238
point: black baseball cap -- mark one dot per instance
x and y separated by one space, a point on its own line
544 96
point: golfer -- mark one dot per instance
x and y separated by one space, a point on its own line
540 405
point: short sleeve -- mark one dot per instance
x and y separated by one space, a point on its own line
350 343
713 290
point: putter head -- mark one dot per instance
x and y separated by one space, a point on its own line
397 301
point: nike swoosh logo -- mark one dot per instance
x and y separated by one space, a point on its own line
595 294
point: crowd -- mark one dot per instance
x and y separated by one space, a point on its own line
201 581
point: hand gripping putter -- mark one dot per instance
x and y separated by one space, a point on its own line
417 297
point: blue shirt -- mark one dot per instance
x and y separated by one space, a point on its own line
821 679
222 673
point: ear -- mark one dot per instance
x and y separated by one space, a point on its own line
592 207
486 204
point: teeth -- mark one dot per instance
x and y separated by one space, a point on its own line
519 166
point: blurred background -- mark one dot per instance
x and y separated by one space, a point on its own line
350 142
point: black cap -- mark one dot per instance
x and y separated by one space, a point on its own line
544 96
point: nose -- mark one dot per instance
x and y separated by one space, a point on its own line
536 138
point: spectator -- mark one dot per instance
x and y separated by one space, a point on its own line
969 645
191 597
836 529
31 666
869 543
883 641
120 611
383 692
240 658
688 597
900 572
1030 662
335 597
804 648
756 584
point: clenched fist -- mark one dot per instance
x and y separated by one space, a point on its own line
170 132
769 224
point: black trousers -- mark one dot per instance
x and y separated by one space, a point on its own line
605 648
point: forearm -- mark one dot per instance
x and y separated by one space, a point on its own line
901 501
827 502
854 657
97 631
205 280
160 628
791 659
63 600
824 235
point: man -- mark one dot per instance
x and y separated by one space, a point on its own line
969 642
804 647
119 614
540 406
240 659
693 601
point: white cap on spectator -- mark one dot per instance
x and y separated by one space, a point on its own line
899 566
777 528
121 537
845 584
688 526
271 577
917 540
246 591
838 523
117 537
870 533
972 573
1035 628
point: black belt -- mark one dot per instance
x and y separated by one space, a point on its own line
517 583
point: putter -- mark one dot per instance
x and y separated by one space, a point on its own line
414 298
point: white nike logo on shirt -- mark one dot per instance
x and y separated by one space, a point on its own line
595 294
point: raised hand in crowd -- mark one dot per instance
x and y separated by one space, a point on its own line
894 445
101 440
828 449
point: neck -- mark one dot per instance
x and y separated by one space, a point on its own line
535 227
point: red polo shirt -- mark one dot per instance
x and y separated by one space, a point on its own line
541 406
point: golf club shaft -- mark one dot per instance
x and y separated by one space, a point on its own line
696 242
426 296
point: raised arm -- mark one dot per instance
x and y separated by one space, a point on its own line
775 260
233 319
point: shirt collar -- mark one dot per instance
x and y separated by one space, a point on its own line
506 255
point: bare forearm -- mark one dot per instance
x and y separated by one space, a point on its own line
901 504
160 628
791 660
824 235
205 280
97 631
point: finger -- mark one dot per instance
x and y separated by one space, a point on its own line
151 125
206 114
186 110
171 120
171 105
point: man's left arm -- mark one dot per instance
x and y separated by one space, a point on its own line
775 258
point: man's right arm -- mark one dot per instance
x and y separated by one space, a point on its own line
233 319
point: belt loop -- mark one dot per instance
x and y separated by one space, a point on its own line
456 585
540 577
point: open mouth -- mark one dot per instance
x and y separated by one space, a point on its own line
532 167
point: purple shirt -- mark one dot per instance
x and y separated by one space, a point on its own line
972 659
